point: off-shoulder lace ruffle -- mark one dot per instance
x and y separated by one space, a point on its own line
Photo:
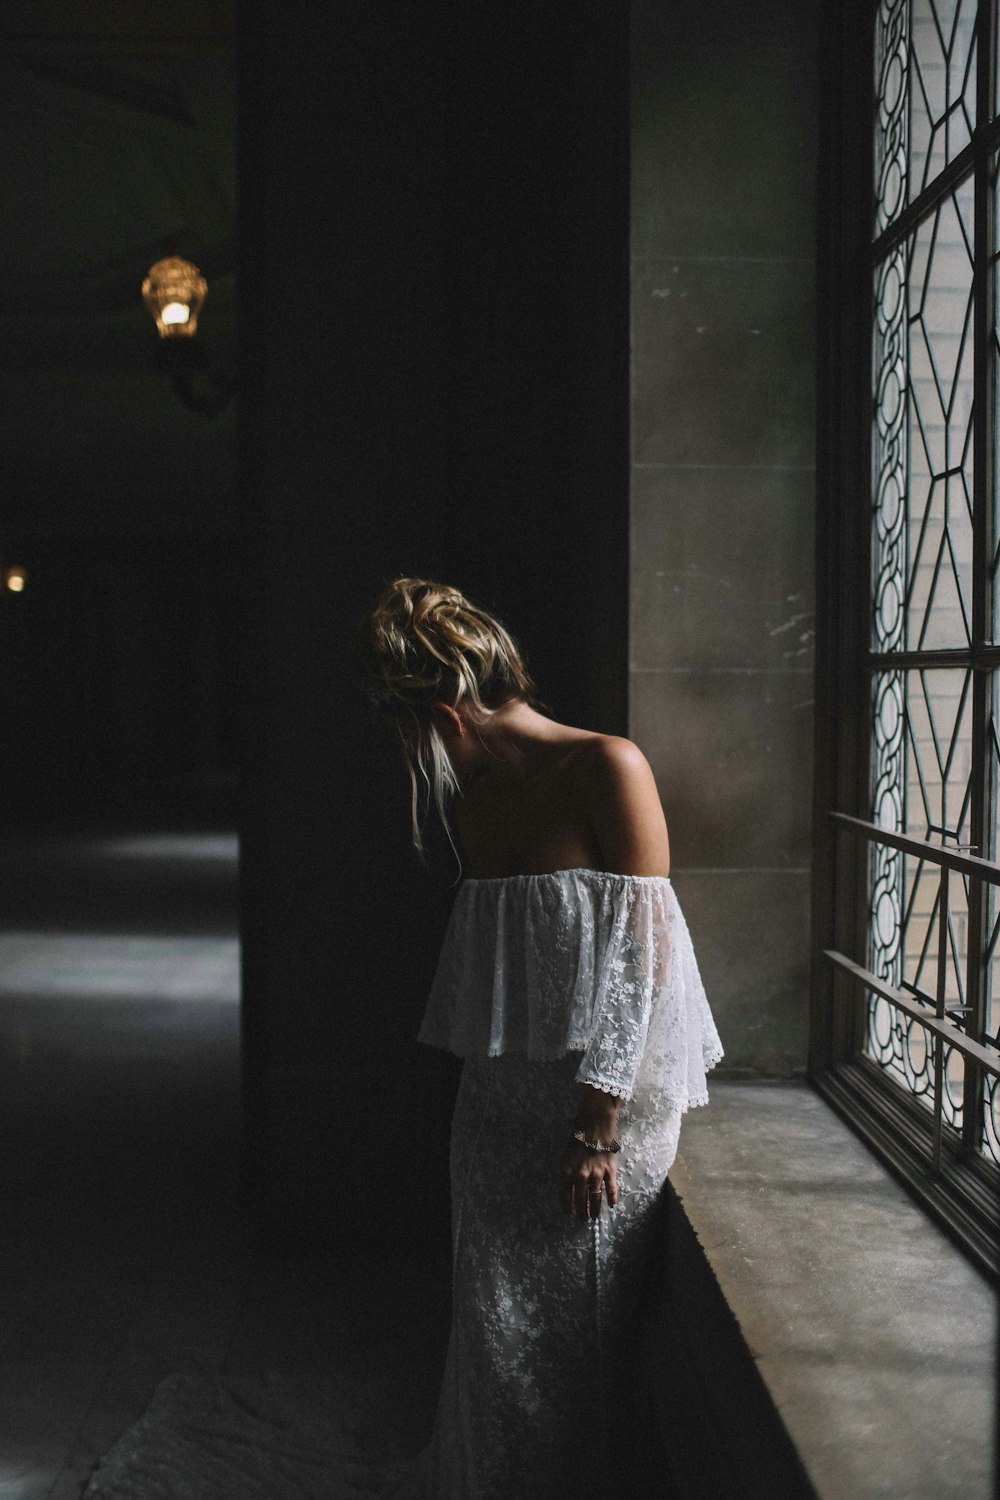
578 961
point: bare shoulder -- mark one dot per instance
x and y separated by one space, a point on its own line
618 791
606 761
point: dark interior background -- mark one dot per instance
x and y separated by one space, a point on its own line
117 670
425 209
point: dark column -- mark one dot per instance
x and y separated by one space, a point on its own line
433 275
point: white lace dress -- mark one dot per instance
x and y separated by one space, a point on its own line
545 982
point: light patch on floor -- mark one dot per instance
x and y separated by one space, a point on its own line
170 846
92 966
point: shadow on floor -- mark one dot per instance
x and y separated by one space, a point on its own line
127 1251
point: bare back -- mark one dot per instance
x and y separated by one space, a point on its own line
564 811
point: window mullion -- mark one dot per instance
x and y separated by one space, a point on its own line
983 790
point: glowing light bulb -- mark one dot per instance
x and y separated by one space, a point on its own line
174 291
14 578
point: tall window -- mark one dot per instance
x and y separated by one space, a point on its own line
916 1061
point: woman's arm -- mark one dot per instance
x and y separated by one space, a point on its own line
622 805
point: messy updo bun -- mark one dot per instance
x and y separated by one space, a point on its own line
424 643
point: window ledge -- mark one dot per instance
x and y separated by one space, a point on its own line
836 1343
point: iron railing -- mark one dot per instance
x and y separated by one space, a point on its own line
951 1158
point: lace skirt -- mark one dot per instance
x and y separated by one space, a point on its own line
543 1391
542 1396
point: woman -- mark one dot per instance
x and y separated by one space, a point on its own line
568 984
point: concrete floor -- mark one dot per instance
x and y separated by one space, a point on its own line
874 1335
125 1253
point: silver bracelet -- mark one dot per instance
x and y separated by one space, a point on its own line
581 1136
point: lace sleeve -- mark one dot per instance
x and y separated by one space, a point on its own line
652 1033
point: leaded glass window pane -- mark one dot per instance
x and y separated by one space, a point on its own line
899 1044
938 578
934 692
923 435
926 95
923 740
943 85
892 97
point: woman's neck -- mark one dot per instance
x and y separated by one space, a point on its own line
510 743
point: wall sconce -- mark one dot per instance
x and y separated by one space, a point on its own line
174 291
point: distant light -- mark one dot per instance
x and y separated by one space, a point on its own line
220 848
15 579
174 291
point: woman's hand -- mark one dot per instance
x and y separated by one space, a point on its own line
585 1176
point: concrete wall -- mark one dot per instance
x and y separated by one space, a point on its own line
724 136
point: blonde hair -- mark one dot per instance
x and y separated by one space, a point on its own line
424 643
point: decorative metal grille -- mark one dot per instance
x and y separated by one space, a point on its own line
941 84
934 929
892 69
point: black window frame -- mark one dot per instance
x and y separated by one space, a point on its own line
953 1183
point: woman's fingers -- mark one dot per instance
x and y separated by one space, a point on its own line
584 1179
581 1188
590 1190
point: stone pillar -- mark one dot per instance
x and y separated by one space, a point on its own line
724 137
